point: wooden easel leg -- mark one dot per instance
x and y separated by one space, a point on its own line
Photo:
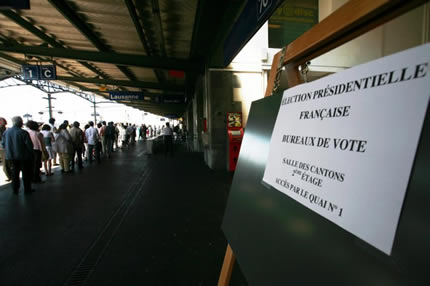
293 75
227 267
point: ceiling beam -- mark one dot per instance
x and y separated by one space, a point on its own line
158 110
140 84
105 57
85 29
154 104
196 28
30 27
140 32
145 93
165 108
20 62
81 87
158 27
11 59
41 35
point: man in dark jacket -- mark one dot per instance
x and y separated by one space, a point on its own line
78 144
19 154
109 138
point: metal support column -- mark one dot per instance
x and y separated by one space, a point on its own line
95 113
49 106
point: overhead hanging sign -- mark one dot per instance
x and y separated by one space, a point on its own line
39 72
132 95
172 99
137 95
15 4
126 95
344 145
252 17
48 72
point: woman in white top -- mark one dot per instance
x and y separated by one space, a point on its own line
122 135
48 138
64 147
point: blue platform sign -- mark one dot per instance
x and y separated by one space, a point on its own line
263 6
37 72
126 95
30 72
48 72
253 16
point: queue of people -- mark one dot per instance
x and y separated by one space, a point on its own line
26 149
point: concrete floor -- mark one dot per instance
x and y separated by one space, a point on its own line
135 219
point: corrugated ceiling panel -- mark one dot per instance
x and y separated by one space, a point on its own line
177 21
13 31
52 22
112 71
76 67
144 74
112 21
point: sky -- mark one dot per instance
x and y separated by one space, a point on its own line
21 100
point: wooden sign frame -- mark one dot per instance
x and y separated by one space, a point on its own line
351 20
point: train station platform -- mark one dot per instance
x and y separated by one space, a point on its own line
134 219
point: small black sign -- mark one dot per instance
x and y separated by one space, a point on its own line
14 4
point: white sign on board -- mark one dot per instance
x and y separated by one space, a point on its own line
344 145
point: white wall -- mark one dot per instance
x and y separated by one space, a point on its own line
251 88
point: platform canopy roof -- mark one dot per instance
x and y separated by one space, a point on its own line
155 46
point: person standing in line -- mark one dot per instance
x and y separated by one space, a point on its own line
19 155
6 170
168 139
64 148
116 136
78 144
102 130
54 131
93 139
150 131
128 133
33 130
86 143
143 131
139 132
109 138
133 133
48 138
66 122
122 135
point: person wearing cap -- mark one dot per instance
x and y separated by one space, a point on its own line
19 155
6 170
